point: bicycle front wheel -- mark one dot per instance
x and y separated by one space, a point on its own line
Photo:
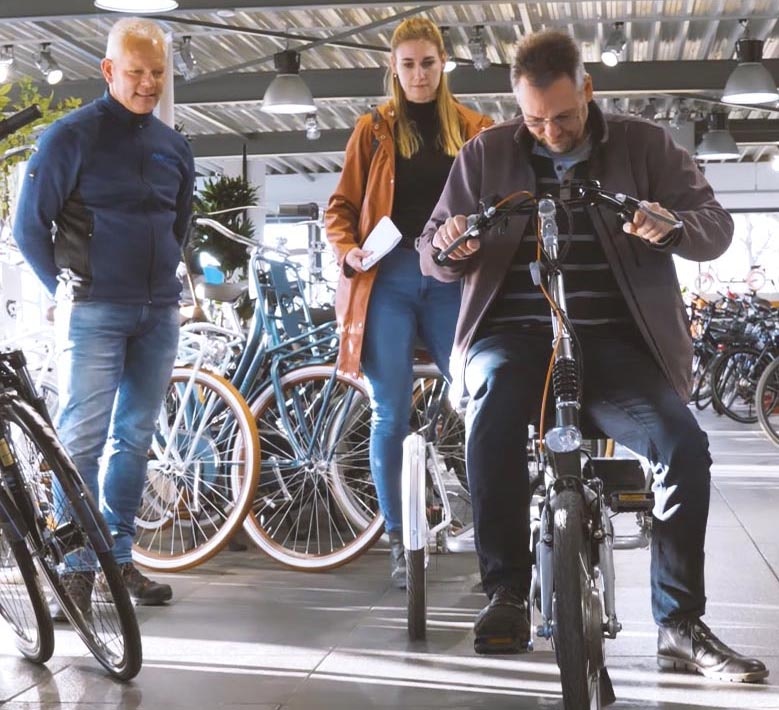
202 476
22 603
577 610
767 398
70 542
315 507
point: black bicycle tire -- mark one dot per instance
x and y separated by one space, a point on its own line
416 594
571 645
61 466
38 650
717 395
762 416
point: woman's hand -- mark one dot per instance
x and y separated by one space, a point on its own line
354 258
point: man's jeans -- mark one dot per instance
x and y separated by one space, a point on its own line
114 367
403 304
627 397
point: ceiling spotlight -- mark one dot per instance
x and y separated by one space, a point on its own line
6 61
478 49
312 127
185 60
449 64
717 143
750 82
47 65
615 45
288 92
137 7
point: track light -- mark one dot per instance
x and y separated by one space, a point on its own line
449 64
312 127
288 92
478 49
137 7
185 60
6 61
615 45
750 82
47 65
717 143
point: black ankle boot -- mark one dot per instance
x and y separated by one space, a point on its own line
397 560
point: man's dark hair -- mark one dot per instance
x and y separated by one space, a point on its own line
543 57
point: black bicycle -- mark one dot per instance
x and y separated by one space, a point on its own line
575 493
49 516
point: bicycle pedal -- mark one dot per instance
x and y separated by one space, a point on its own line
631 501
508 644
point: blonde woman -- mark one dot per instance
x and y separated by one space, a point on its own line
397 162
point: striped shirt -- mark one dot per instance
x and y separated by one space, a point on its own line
595 303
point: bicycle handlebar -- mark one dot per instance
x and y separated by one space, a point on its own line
239 238
589 193
19 120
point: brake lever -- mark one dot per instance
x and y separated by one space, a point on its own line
474 224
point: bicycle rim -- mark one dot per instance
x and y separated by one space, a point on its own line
22 603
734 382
202 476
70 542
576 605
315 507
767 396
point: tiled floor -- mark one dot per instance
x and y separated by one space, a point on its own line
245 633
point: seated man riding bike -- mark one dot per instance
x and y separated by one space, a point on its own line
625 304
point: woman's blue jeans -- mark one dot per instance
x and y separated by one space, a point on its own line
114 367
629 399
403 305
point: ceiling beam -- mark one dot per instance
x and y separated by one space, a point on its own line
276 143
628 78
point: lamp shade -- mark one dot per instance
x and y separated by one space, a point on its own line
288 92
750 82
717 143
136 6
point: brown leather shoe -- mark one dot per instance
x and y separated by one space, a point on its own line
503 626
691 646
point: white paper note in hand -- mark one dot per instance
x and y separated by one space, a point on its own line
384 237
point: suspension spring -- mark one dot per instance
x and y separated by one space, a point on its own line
565 380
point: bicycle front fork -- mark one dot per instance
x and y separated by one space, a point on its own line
542 581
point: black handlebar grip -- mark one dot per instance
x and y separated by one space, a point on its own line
19 120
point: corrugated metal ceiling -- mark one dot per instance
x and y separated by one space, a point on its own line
676 49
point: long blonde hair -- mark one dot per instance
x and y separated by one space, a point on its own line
450 138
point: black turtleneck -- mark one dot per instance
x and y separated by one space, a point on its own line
419 179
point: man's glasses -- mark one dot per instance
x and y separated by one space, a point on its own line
564 120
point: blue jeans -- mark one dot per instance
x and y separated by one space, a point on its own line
628 398
114 368
403 305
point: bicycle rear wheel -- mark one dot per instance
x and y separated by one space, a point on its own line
70 537
734 378
201 479
767 398
577 607
22 603
315 507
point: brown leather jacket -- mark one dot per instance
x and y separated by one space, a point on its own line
363 196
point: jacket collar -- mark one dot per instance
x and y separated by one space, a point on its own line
121 113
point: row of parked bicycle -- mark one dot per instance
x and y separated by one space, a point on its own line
736 365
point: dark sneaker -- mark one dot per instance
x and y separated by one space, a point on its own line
78 586
397 560
144 591
503 626
691 646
